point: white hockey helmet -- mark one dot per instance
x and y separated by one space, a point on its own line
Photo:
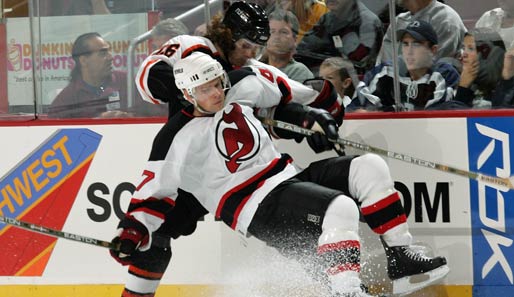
197 69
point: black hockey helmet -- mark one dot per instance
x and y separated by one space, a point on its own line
247 20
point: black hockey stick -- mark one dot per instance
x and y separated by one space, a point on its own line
57 233
503 182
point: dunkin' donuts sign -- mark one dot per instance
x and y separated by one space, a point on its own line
52 57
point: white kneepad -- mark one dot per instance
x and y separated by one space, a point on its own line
342 217
369 176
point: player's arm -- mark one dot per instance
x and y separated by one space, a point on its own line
154 79
275 96
154 197
150 205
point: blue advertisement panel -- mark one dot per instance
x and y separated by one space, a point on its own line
490 147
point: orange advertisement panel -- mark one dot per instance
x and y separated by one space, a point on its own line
41 190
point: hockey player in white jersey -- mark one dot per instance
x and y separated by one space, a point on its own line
253 86
256 190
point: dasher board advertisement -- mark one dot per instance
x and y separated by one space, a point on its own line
445 211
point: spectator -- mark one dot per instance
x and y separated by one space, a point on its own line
281 45
501 20
425 84
383 14
95 89
165 30
342 75
174 8
68 7
446 22
349 29
270 5
482 60
504 94
308 13
129 6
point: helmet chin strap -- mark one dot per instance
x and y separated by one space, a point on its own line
199 108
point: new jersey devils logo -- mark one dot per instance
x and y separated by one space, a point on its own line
237 139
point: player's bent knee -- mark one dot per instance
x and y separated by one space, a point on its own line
342 213
369 174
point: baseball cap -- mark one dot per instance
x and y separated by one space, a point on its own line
419 30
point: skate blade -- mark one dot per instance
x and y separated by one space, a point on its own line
409 284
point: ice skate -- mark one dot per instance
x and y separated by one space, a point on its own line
412 270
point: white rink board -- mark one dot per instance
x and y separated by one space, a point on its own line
214 249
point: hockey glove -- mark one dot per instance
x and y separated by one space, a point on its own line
321 121
327 98
133 235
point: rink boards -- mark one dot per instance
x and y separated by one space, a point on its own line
79 177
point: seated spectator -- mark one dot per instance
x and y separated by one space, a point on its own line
504 94
270 5
95 90
165 30
281 45
501 20
308 13
425 85
342 75
445 20
349 29
174 8
69 7
482 61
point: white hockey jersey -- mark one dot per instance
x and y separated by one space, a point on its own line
227 161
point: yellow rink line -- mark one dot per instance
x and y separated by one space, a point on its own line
174 291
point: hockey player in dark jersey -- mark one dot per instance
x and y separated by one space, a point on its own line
257 191
234 41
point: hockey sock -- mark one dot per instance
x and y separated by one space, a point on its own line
387 217
127 293
339 245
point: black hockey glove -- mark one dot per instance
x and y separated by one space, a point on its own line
327 98
326 129
132 236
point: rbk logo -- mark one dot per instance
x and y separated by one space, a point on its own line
237 139
493 157
502 170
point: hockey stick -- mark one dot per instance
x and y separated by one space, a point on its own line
57 233
503 182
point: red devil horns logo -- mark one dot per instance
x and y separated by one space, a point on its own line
237 138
